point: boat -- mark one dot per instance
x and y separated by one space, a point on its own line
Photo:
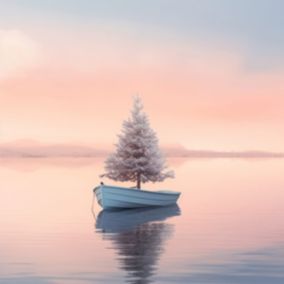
115 197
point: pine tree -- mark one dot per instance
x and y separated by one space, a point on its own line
137 157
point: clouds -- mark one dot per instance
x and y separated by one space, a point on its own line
254 26
18 52
195 59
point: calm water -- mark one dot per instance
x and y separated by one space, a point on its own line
227 228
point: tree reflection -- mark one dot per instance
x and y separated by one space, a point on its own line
138 236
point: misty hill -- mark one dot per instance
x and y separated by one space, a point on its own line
26 149
180 151
34 149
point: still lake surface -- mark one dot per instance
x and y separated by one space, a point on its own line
228 226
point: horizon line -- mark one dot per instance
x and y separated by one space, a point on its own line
80 151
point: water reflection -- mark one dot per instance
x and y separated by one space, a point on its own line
138 236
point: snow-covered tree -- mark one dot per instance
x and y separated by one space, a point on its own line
137 157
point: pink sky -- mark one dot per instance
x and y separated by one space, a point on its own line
68 86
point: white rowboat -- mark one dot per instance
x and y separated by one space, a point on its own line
112 197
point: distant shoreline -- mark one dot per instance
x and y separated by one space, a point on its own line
38 150
192 155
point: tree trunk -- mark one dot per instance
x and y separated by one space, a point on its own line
138 180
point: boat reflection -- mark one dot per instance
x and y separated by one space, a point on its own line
138 236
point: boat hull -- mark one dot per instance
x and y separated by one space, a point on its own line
113 197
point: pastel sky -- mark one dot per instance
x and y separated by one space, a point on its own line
210 73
